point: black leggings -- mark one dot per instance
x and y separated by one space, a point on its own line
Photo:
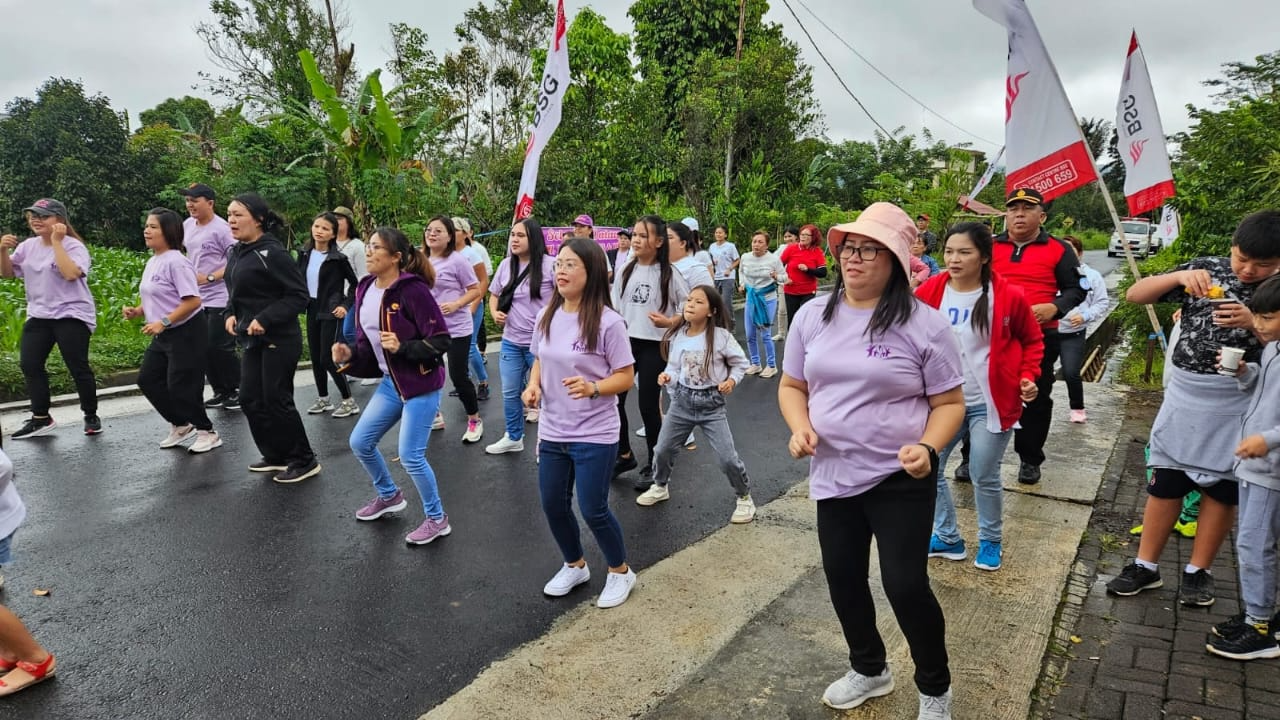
266 397
72 338
649 365
898 513
172 372
1071 346
321 334
459 356
794 303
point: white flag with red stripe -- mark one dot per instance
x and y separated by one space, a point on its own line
1148 178
1046 150
546 113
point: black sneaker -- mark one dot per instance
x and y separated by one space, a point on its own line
1197 589
1133 579
35 427
646 479
1028 474
1231 626
214 402
264 465
624 464
482 391
298 473
231 401
1251 642
92 425
962 472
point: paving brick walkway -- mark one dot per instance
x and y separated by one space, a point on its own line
1143 657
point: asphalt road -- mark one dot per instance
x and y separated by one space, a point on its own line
186 587
1098 260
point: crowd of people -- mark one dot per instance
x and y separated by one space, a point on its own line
914 360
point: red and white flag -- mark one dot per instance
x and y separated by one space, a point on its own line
1148 178
985 180
1046 150
546 113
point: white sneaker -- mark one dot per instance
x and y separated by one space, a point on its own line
768 372
370 381
177 435
321 405
206 440
640 432
691 442
935 707
347 408
744 511
505 445
617 588
475 431
779 337
438 423
531 415
753 370
855 688
566 580
654 495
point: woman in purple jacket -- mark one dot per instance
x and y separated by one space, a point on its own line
400 335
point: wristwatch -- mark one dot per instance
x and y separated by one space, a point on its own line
595 388
165 321
933 453
210 278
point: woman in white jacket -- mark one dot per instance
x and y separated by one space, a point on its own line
1072 327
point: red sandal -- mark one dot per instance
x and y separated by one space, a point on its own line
26 674
7 665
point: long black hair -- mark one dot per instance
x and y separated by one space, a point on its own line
170 227
333 223
719 319
657 231
272 223
980 236
595 296
537 251
894 307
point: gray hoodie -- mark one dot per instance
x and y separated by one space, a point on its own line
1263 418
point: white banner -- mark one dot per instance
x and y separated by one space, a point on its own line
1045 147
546 114
1148 178
985 180
1167 230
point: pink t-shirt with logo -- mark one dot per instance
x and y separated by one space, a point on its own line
454 274
565 355
49 295
867 398
167 278
207 247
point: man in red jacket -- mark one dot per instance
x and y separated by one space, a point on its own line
1048 272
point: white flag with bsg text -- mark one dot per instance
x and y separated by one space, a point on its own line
1148 179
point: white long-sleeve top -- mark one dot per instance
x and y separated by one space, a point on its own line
686 354
761 272
1095 302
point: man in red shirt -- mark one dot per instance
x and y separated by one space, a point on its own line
1048 272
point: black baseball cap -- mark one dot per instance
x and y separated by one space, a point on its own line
1026 195
198 190
47 207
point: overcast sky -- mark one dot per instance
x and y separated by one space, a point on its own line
139 52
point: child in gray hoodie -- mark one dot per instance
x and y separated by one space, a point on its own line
1251 634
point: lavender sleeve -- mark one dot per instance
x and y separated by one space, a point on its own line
940 359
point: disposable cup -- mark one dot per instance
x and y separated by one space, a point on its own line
1230 362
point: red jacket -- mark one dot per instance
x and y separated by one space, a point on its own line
1046 269
803 282
1017 343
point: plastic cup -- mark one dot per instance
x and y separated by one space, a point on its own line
1230 362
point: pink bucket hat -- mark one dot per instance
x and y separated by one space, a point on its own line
883 222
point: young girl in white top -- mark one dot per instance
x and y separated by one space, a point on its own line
704 364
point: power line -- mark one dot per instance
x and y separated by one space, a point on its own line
833 70
879 72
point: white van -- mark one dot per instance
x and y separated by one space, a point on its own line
1138 233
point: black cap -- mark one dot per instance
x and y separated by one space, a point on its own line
1025 195
198 190
47 207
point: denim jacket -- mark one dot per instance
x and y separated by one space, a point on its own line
410 311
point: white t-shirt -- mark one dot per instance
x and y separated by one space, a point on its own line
370 315
975 349
686 354
694 272
643 295
723 256
314 261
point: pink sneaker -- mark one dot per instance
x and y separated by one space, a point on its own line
1078 416
429 530
378 507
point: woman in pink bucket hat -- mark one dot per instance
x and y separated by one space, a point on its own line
871 386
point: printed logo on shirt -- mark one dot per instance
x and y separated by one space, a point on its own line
878 351
959 316
579 346
641 293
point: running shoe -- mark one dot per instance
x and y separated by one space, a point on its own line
1133 579
855 688
35 427
347 408
430 529
321 405
379 506
946 550
92 425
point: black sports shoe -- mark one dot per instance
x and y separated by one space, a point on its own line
298 473
1028 474
265 465
92 425
646 479
1230 626
215 401
482 391
962 472
231 401
624 464
1197 589
1133 579
35 427
1249 642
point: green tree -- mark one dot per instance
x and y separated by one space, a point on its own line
505 37
188 114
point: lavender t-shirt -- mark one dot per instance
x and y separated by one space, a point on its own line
207 247
370 321
867 399
167 278
524 309
564 355
49 295
454 274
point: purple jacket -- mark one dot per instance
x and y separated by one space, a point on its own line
409 311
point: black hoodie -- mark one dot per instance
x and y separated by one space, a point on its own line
265 284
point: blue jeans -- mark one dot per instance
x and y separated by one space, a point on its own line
986 449
589 466
758 335
385 409
514 364
478 371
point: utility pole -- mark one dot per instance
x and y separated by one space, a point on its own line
737 58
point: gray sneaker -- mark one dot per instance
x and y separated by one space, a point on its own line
855 688
321 405
935 707
347 408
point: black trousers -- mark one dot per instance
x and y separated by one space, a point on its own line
898 513
223 366
1028 441
649 365
72 338
321 334
1071 349
266 398
459 356
795 302
172 372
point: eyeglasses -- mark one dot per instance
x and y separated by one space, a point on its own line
566 265
371 249
868 253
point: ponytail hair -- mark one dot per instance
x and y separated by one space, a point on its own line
412 260
980 235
